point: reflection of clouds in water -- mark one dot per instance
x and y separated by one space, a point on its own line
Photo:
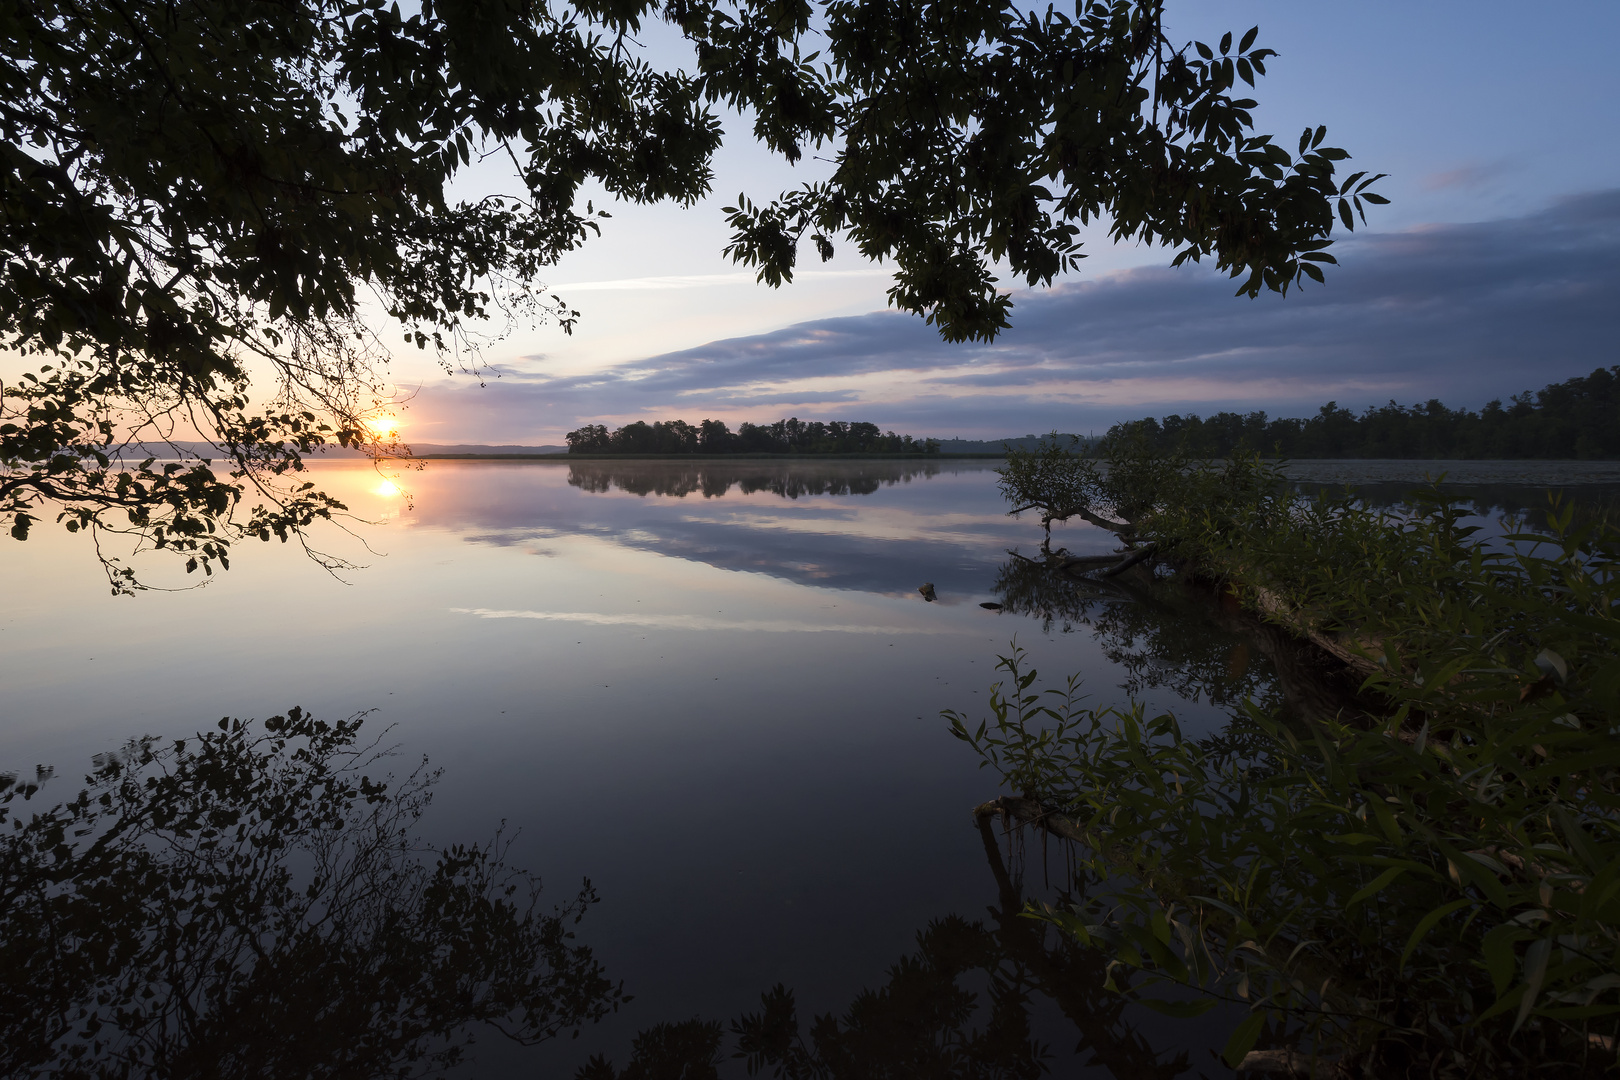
941 521
887 525
699 622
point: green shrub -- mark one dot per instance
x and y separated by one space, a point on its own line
1429 887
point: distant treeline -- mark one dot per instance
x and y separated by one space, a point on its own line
792 436
1076 443
1579 418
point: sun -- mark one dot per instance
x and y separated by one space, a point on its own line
386 489
383 427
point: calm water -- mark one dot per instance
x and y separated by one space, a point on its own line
712 689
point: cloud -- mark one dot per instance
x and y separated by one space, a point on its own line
1461 312
697 281
1472 175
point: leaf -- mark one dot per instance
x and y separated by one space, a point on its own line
1243 1039
1427 923
1500 960
1487 882
1248 39
1577 838
1535 969
1378 884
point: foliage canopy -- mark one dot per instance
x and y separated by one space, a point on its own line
202 193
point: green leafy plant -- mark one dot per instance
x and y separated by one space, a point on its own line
1428 885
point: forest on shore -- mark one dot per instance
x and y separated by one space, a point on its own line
791 436
1576 418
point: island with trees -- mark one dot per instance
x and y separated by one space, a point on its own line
791 436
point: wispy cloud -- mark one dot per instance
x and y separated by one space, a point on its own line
1460 312
699 281
1471 175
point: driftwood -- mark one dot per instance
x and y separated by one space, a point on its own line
1029 812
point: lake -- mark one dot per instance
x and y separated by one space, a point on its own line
713 689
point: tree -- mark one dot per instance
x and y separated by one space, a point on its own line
974 132
201 193
198 187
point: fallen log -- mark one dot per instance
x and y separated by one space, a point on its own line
1353 655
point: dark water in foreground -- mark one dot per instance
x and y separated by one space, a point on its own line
714 690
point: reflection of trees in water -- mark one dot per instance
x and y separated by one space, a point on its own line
252 904
1178 637
1158 638
927 1020
1526 502
713 479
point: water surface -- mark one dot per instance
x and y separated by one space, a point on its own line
712 688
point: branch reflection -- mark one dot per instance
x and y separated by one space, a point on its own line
928 1020
1177 636
252 903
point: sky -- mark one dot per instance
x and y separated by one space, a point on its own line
1490 273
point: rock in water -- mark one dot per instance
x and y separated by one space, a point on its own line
990 605
927 590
